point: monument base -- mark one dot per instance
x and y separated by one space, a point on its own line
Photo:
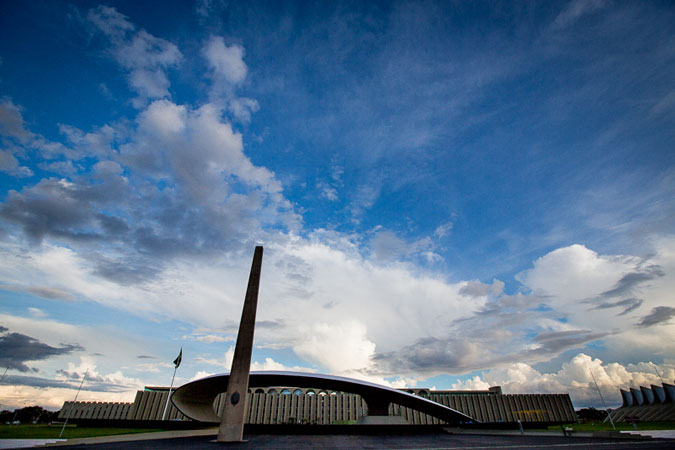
382 420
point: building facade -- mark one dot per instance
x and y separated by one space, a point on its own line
288 405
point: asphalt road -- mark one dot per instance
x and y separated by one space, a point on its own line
426 441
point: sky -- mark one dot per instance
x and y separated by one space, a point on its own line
451 195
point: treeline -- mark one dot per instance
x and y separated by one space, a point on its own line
591 415
29 414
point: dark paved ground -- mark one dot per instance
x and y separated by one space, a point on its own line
426 441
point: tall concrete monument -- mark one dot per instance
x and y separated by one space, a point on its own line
232 421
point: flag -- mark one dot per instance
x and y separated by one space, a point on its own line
176 362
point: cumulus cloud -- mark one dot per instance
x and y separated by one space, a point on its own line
196 154
53 392
17 349
339 347
110 382
574 273
267 364
575 377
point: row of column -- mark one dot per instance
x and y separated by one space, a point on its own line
311 408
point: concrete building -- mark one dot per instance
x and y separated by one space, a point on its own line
292 405
654 403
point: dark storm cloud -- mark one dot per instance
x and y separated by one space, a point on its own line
475 289
124 272
16 349
629 304
628 283
49 209
67 209
555 342
71 383
427 355
38 382
93 382
660 314
452 355
113 225
270 324
513 307
49 293
631 280
164 226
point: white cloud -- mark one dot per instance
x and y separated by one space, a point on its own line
225 61
36 312
209 338
154 367
443 229
19 396
87 366
328 192
242 108
145 57
201 374
587 287
96 143
387 245
576 378
576 9
337 346
267 364
575 273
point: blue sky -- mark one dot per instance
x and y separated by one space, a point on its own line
450 194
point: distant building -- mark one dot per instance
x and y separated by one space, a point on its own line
646 404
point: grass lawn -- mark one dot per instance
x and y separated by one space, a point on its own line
71 431
619 426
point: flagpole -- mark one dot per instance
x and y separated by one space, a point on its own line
169 396
609 416
73 404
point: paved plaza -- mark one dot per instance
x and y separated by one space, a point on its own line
425 441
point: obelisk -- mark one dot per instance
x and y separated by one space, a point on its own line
232 421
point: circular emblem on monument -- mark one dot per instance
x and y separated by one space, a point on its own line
234 398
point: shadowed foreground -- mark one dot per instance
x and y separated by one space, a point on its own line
426 441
